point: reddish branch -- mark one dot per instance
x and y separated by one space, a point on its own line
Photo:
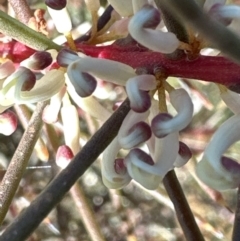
208 68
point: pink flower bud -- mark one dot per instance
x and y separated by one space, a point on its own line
8 122
64 156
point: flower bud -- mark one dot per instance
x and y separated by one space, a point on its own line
113 173
182 102
184 155
66 57
137 88
157 121
83 83
8 122
143 176
56 4
137 134
64 156
38 61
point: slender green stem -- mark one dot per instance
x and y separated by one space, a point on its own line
218 35
16 30
19 161
25 224
182 209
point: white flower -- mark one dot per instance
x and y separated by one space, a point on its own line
215 170
140 28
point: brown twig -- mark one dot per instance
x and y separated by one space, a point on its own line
20 159
86 212
22 10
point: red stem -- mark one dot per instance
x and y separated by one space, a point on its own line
208 68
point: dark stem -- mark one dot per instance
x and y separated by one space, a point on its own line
32 216
102 21
182 209
218 35
236 226
173 25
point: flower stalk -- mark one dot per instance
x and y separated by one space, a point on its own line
20 160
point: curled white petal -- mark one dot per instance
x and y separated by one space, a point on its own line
104 69
207 173
111 179
131 119
136 88
166 151
49 85
164 42
143 82
88 104
182 102
227 134
145 178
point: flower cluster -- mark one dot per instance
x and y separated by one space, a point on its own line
147 145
